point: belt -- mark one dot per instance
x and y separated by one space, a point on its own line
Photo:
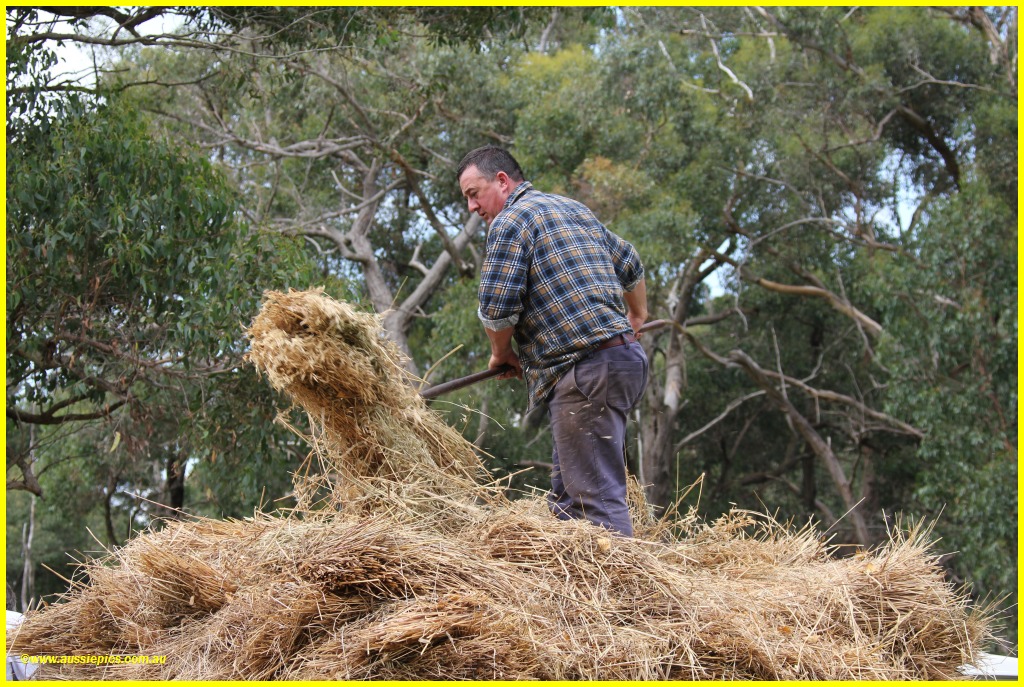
617 340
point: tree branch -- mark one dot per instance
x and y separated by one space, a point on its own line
721 65
819 445
733 405
50 417
924 127
840 304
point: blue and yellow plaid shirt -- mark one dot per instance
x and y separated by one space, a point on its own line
556 274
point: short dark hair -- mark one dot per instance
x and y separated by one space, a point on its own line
490 160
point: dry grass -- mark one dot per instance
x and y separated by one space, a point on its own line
374 442
403 566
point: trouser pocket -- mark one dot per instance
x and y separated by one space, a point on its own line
617 382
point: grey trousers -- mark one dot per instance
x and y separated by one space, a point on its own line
589 409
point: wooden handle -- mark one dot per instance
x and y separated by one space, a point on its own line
452 385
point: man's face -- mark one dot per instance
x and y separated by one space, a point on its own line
485 197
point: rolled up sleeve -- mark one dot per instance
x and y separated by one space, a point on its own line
628 267
503 278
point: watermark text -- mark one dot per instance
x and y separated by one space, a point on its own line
93 659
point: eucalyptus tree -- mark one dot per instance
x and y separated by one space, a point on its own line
339 126
129 274
850 173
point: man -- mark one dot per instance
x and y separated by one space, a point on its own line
554 279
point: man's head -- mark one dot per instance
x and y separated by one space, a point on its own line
487 176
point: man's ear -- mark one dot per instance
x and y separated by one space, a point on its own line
503 179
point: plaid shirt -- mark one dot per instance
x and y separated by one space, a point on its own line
556 274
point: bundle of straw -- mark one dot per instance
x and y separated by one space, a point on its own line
457 582
372 435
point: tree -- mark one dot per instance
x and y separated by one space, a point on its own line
835 138
340 144
952 354
129 279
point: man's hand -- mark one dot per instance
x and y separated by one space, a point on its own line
512 360
502 353
636 322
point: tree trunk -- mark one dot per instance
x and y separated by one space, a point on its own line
175 486
28 576
108 510
657 430
356 245
868 494
664 399
482 426
809 490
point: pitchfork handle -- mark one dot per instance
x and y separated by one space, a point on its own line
461 382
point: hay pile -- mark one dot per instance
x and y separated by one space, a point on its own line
408 575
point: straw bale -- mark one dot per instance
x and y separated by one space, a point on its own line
251 637
399 564
75 625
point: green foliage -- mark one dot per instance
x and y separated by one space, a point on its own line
130 278
383 25
120 241
952 350
556 101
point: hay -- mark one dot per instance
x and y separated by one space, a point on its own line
408 568
373 438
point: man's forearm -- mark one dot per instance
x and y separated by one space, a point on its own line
502 352
636 301
501 341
